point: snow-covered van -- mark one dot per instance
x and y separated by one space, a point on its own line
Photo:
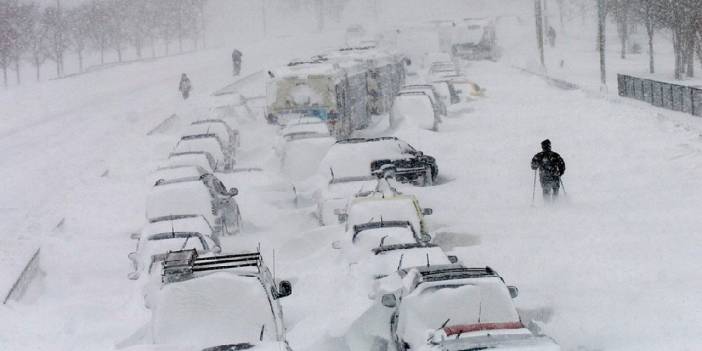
334 92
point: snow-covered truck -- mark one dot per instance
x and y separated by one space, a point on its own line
475 39
336 93
386 73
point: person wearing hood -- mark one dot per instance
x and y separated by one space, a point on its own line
184 87
551 167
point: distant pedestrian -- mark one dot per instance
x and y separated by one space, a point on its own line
236 61
551 167
551 34
185 87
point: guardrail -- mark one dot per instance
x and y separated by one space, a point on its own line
22 282
666 95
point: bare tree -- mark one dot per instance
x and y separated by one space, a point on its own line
79 27
55 22
39 35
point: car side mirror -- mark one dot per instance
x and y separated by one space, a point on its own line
233 191
427 211
513 291
132 256
284 289
453 259
336 244
133 275
135 236
216 249
389 300
425 238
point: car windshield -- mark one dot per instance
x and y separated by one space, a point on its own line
372 238
216 309
387 262
183 198
399 208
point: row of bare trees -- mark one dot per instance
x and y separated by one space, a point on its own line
682 19
35 34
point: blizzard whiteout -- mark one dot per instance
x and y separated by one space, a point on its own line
349 175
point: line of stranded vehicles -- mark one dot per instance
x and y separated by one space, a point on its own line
203 299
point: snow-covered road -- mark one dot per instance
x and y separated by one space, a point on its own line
611 266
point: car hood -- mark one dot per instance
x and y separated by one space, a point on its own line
521 341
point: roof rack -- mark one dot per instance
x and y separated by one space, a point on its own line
184 264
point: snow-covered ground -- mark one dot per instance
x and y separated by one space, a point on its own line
610 266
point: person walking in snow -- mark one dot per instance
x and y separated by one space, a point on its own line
185 86
551 34
551 167
236 61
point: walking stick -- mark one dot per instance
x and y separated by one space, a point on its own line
563 186
533 193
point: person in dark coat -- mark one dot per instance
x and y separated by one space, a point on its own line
551 34
236 61
184 87
551 167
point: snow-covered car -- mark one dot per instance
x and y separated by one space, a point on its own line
367 156
401 207
176 172
171 233
191 158
335 196
452 307
387 259
440 70
210 143
196 195
301 148
430 91
218 303
416 108
228 136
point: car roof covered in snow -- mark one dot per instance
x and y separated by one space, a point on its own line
176 172
353 157
303 70
390 258
195 223
208 143
215 309
192 158
179 198
220 130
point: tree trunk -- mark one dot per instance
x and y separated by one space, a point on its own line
119 54
601 42
37 66
17 71
80 60
153 47
649 30
4 75
137 46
